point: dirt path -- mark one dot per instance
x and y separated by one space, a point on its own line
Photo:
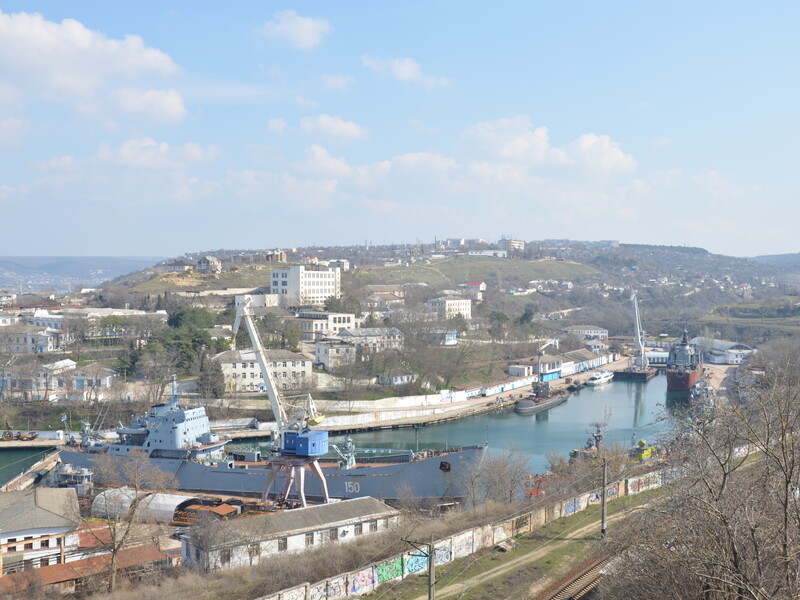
591 530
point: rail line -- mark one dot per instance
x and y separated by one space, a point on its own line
578 582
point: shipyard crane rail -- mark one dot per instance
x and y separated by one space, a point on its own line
298 446
641 360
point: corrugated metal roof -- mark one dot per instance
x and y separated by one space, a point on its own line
38 508
300 520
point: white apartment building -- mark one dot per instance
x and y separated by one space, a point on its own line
242 372
318 324
308 287
7 298
7 318
28 339
588 332
448 307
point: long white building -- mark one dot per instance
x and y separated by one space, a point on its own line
307 287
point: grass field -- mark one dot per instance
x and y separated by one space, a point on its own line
449 272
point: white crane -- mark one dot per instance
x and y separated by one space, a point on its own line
641 359
298 446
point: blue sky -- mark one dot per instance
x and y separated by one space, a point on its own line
158 128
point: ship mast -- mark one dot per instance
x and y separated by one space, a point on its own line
298 446
641 359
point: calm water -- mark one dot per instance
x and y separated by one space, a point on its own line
14 461
630 408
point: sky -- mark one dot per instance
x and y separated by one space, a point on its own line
158 128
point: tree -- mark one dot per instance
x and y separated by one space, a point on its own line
210 380
730 527
137 472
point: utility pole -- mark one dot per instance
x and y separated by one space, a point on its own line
431 556
603 500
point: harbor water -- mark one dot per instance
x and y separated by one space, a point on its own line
633 411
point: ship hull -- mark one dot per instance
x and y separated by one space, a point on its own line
433 478
682 380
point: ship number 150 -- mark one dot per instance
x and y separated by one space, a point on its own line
352 487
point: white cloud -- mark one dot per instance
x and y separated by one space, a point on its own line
305 33
337 83
320 162
276 125
601 155
305 102
57 163
148 153
162 105
513 138
11 131
332 127
67 58
403 69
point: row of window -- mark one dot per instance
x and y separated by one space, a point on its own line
28 545
275 365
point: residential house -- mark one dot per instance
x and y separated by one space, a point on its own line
38 527
209 264
242 372
7 298
475 290
178 266
248 541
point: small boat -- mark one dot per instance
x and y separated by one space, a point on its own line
600 378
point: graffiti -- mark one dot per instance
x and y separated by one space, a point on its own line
645 482
462 544
570 507
416 563
337 588
442 554
595 498
522 524
484 536
361 582
295 594
318 591
391 569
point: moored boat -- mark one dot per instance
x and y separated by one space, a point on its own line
600 377
684 366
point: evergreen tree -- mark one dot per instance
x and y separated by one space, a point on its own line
210 381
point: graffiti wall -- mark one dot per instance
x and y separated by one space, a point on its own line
337 588
360 582
298 593
442 552
484 537
644 482
415 562
391 569
463 544
522 524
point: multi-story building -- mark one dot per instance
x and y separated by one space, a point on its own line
7 318
318 324
307 287
369 340
242 372
333 353
7 298
448 307
29 339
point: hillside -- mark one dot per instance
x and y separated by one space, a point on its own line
786 261
30 273
449 272
153 281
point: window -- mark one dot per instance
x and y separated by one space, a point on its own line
254 550
358 529
45 544
225 556
283 544
310 539
333 534
29 546
373 526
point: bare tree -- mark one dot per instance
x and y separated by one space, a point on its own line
143 480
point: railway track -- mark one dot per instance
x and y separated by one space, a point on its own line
578 582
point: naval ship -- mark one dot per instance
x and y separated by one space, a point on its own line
179 441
